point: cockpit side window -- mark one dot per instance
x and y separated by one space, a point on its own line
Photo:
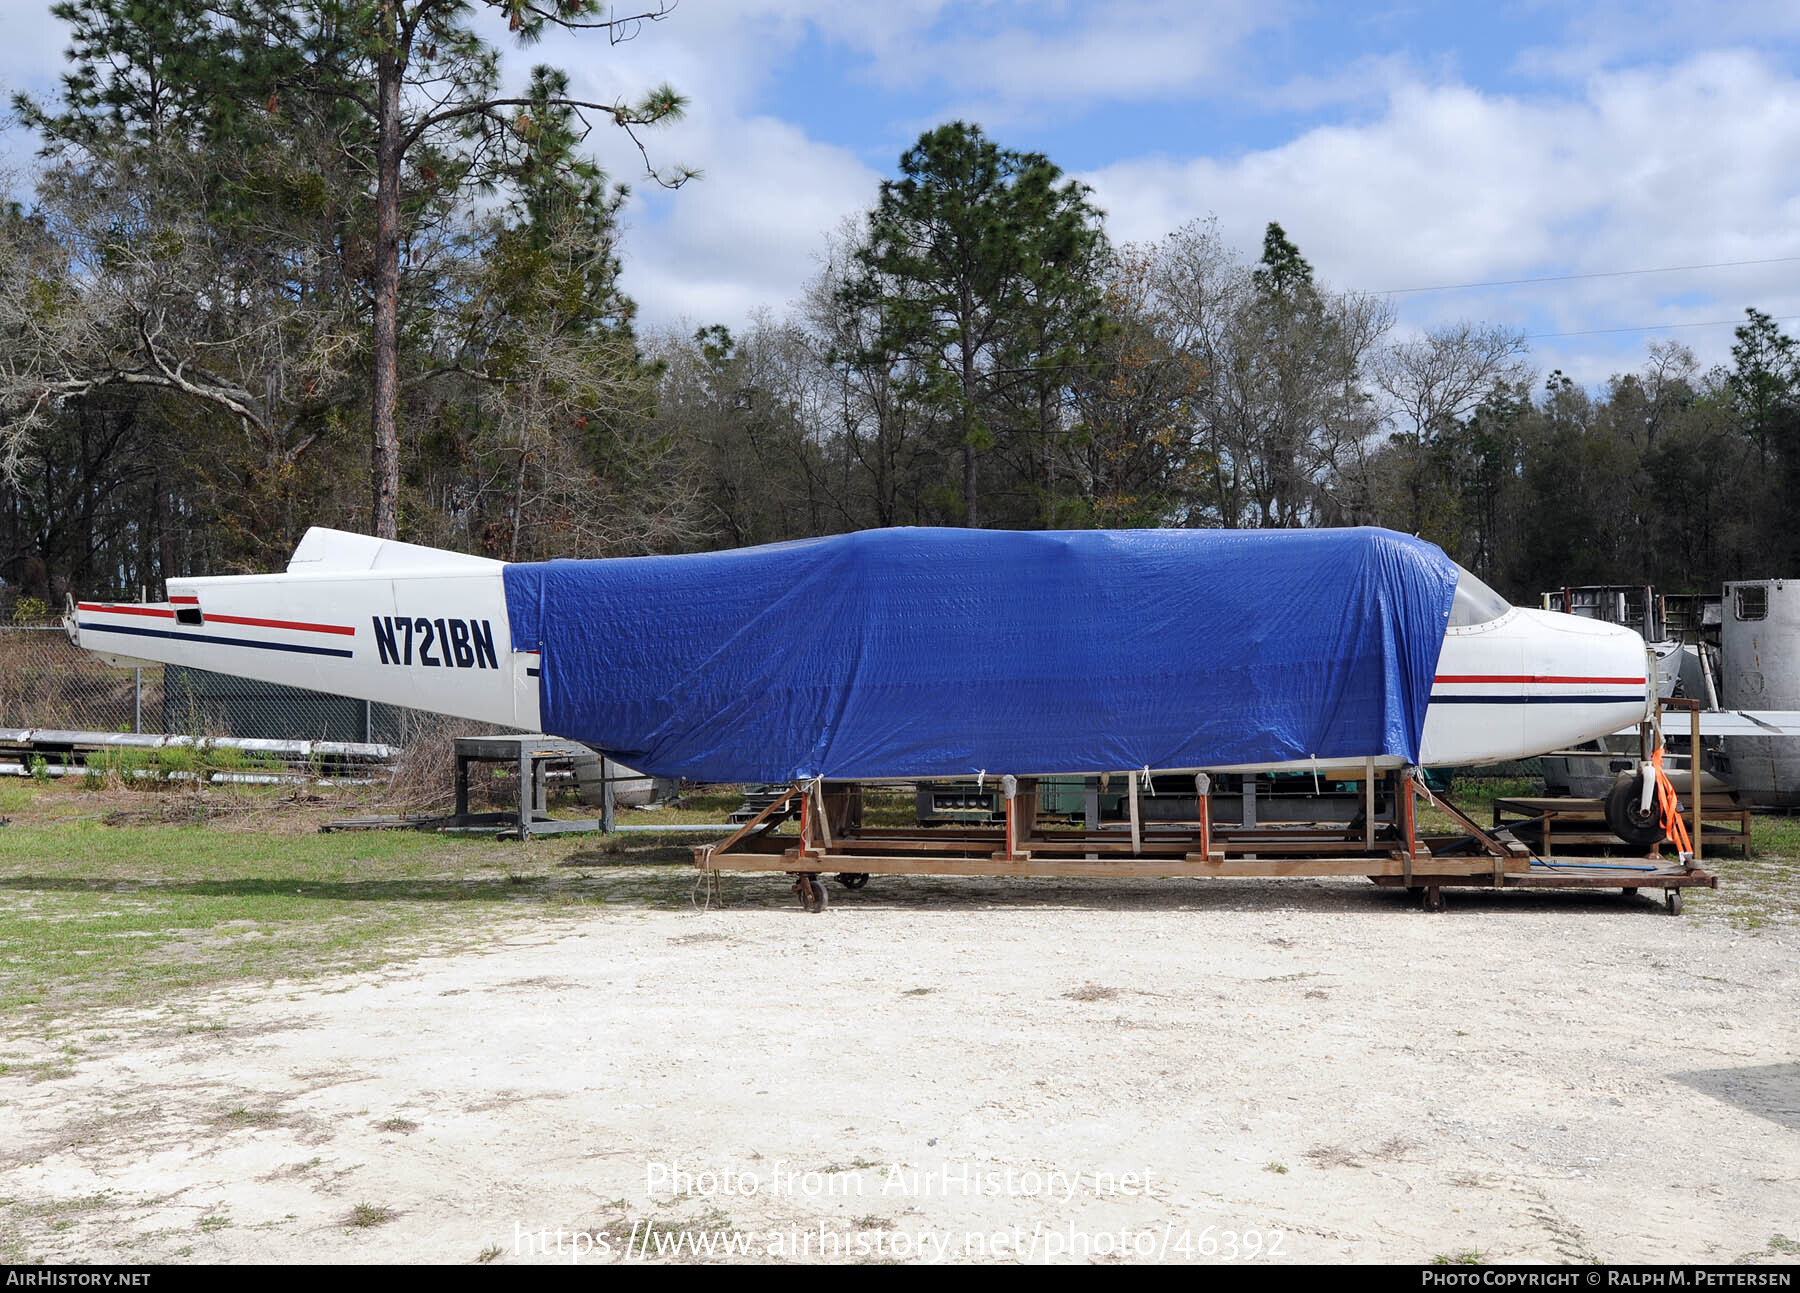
1475 602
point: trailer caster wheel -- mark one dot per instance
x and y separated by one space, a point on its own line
1673 898
1434 899
853 879
811 892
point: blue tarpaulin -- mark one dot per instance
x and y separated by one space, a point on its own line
933 652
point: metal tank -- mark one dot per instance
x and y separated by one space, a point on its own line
1759 642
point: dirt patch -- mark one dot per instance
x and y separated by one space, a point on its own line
1522 1079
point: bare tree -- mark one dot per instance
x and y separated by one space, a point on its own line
883 441
1283 401
100 290
1137 454
1435 380
1432 383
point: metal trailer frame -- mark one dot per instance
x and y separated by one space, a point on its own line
531 755
1389 851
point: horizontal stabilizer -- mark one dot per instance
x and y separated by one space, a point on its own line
433 636
1730 722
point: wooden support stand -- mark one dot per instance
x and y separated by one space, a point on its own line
1559 823
1391 851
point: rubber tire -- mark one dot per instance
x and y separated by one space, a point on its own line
853 879
1623 818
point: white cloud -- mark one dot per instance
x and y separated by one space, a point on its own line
746 236
1693 158
1695 163
1070 55
1003 59
742 238
1603 34
30 60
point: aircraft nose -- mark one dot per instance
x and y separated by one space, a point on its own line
1634 661
1619 653
1593 651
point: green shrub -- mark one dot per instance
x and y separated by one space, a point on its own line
126 764
168 760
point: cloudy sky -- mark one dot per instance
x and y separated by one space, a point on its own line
1402 146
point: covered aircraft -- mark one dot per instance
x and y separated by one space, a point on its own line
915 653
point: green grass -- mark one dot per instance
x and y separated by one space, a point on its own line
1754 893
96 915
365 1215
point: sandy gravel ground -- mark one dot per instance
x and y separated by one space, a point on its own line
1310 1068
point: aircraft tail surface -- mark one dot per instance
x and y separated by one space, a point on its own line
353 616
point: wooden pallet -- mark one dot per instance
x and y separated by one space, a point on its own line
1548 822
1586 873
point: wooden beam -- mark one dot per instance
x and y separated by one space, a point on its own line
1192 865
725 845
1296 844
1488 842
819 815
1203 801
1368 803
1567 877
1695 791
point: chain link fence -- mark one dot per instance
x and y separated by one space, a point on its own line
48 682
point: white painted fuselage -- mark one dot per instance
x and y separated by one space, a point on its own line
406 625
1529 682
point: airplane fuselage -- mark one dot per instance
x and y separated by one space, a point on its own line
413 626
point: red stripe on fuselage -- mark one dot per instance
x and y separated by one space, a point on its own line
344 629
156 612
297 626
1535 677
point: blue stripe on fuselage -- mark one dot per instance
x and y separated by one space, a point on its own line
87 627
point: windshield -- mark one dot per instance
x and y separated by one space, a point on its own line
1475 602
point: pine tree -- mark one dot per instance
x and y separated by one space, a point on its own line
406 90
979 259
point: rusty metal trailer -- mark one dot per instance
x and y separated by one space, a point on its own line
1593 873
832 840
